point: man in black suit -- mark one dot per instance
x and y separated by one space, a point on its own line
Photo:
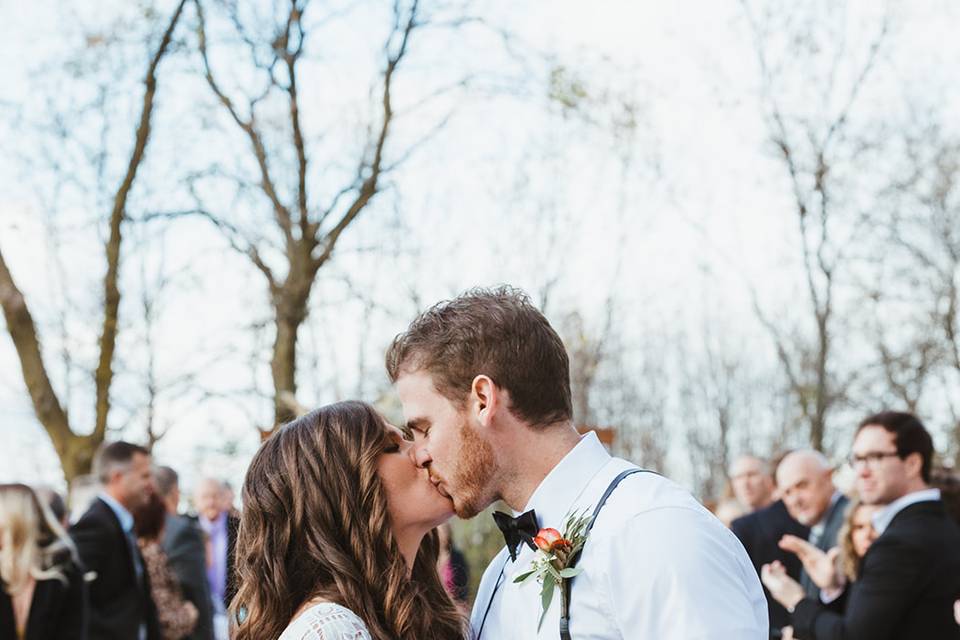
805 481
121 607
760 532
186 553
910 576
221 528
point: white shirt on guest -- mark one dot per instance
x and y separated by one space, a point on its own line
657 564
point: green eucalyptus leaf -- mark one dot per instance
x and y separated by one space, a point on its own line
546 596
570 572
526 576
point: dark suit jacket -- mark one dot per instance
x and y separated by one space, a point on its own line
118 602
58 611
759 532
908 583
187 559
828 539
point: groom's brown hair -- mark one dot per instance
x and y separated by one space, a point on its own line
494 332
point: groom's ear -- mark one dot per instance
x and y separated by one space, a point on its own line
484 399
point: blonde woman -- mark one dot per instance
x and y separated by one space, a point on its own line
43 594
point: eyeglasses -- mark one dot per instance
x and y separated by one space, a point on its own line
871 459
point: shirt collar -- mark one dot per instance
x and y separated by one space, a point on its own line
883 518
820 526
124 516
558 492
218 523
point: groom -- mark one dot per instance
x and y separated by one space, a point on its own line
484 383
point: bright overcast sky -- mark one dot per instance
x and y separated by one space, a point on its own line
666 233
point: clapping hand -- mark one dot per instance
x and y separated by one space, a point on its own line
821 566
782 587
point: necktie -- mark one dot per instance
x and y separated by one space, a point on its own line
522 529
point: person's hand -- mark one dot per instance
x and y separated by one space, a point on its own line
820 566
787 633
782 587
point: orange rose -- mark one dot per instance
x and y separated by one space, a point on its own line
549 539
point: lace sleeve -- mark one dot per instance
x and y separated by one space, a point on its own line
326 621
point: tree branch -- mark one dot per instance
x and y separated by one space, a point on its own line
248 126
108 337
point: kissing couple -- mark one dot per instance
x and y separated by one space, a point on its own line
337 535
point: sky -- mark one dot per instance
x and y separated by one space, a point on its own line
670 218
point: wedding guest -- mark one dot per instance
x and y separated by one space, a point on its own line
186 553
911 576
835 568
856 536
760 533
177 616
335 538
805 483
229 497
221 531
752 481
452 566
43 595
949 485
57 506
120 604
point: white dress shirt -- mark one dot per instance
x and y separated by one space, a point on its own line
657 565
882 519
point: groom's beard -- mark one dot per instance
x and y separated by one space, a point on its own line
471 476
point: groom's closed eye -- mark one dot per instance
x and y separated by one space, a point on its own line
418 426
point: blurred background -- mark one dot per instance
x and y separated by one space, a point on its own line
742 217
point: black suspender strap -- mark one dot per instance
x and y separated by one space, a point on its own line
565 600
565 593
496 586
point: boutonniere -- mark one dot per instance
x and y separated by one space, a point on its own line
556 552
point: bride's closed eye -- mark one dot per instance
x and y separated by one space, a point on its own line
393 443
392 447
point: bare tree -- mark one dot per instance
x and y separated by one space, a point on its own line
922 227
310 230
815 151
75 450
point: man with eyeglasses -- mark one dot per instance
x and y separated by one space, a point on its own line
910 577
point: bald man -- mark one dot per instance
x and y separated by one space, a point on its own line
805 482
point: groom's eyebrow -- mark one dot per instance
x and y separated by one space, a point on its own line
418 424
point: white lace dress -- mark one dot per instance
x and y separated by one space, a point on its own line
326 621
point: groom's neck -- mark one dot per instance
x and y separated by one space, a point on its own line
529 456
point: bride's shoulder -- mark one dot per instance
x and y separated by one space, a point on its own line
326 621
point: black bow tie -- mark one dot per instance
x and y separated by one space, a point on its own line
522 529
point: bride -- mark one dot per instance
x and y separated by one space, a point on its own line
336 538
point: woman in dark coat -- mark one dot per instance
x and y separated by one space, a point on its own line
42 591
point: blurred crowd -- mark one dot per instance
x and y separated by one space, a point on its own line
878 559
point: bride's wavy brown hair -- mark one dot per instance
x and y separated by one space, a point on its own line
315 525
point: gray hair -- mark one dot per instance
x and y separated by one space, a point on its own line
166 480
115 456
